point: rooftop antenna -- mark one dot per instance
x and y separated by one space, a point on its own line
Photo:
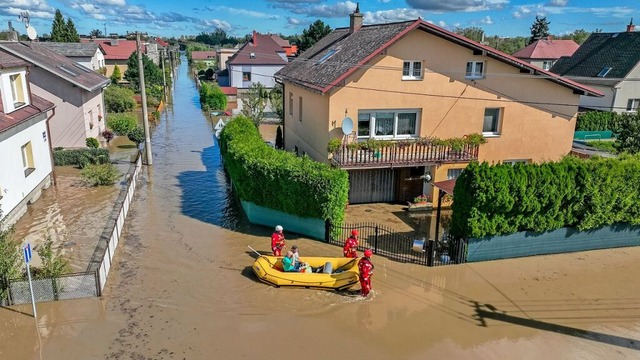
31 31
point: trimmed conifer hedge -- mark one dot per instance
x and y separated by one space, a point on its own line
280 180
586 194
80 157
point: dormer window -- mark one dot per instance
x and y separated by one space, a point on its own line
252 55
475 70
14 91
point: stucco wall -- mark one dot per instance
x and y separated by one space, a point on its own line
110 64
314 127
259 74
628 89
604 103
14 186
451 106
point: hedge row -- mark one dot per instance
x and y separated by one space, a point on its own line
80 157
586 194
280 180
598 121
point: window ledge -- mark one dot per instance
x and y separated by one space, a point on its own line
474 77
411 78
28 171
490 135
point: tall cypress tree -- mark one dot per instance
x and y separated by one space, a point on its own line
58 28
72 33
539 29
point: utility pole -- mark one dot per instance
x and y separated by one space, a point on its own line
164 79
143 94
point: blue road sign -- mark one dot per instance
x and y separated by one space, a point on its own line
27 253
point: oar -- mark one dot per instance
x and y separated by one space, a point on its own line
254 250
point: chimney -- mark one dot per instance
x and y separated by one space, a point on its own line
255 38
113 42
549 37
12 35
631 27
355 20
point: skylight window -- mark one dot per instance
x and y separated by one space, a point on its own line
604 72
67 70
326 56
83 68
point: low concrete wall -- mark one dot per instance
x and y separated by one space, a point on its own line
563 240
291 223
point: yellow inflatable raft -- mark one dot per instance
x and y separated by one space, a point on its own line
336 273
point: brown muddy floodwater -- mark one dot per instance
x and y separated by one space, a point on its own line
182 288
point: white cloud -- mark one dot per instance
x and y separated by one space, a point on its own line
217 24
243 12
339 9
386 16
487 20
293 21
384 1
558 3
111 2
36 8
457 5
442 24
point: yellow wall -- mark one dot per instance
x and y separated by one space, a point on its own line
450 105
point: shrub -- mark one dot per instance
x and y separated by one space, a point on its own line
609 146
10 255
80 157
100 174
118 99
334 145
53 264
629 134
136 135
279 138
278 179
121 124
116 76
92 143
212 97
598 121
586 194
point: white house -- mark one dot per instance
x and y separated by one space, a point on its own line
25 147
257 61
85 54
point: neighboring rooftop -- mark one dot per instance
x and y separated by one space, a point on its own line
547 49
343 51
617 52
8 61
261 50
203 55
56 64
115 49
72 49
37 106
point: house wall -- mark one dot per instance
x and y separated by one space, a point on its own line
94 62
452 106
604 103
110 64
627 89
311 135
70 125
259 74
16 190
222 57
93 110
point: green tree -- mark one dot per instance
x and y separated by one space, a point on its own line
53 264
279 138
116 75
310 36
276 100
152 73
212 97
579 36
136 135
539 29
10 259
254 101
474 33
118 99
92 142
100 174
629 133
58 28
96 33
121 124
72 33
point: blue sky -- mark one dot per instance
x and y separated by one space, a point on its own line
240 17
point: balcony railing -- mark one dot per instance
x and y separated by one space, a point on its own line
402 154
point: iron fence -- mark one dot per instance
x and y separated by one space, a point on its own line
400 247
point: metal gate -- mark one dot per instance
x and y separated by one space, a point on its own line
371 186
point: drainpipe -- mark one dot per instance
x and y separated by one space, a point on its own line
53 167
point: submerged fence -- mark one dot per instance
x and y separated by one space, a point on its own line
400 247
91 282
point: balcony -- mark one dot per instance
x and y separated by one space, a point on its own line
401 154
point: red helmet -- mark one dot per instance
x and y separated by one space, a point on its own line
368 253
354 232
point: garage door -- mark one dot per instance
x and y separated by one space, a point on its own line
371 186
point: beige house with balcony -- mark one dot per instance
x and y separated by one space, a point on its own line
406 83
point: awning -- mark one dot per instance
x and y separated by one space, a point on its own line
446 186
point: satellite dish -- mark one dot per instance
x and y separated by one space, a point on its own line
347 126
32 33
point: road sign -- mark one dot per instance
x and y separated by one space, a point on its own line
27 253
219 125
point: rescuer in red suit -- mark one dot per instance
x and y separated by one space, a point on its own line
351 245
366 271
277 241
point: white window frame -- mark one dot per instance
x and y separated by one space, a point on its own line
454 173
474 74
11 93
395 135
248 77
291 103
547 64
512 162
498 129
28 162
633 105
412 70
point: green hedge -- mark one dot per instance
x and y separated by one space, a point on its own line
598 121
80 157
280 180
586 194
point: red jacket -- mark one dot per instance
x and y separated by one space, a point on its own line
350 247
277 240
366 268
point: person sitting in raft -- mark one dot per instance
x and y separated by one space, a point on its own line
302 265
289 264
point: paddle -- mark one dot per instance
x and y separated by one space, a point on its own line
254 250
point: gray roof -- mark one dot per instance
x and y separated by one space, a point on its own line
8 61
618 51
72 49
56 64
354 50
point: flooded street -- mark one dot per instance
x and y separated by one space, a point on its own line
182 287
